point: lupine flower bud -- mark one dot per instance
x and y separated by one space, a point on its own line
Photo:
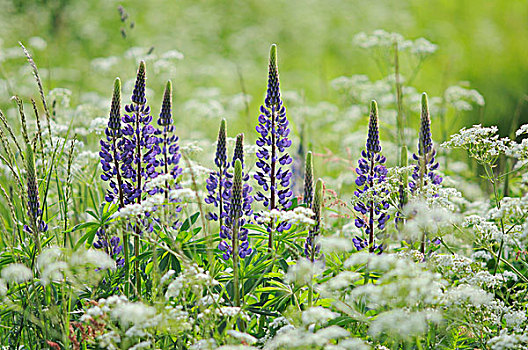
138 96
236 191
239 149
373 144
425 143
273 92
165 117
308 181
221 152
114 122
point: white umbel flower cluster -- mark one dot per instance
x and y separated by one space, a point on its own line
299 215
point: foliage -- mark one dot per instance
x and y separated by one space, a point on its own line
131 239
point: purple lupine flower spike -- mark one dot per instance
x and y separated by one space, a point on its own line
111 150
139 156
167 148
370 213
139 149
110 153
216 182
274 173
424 170
236 208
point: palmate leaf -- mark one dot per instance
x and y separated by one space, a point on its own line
280 295
102 217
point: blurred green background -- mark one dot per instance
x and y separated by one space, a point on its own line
225 44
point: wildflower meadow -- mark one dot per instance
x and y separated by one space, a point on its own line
165 210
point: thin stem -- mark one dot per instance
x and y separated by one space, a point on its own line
121 205
492 179
137 228
371 209
221 200
423 168
234 239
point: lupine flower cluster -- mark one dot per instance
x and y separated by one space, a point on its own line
139 148
371 170
110 149
424 171
216 182
167 147
273 174
112 246
110 162
135 152
236 210
167 141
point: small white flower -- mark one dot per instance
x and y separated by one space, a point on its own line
243 337
133 313
17 273
303 271
318 315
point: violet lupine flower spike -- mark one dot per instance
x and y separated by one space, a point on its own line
111 161
370 171
215 184
139 154
308 181
168 147
311 249
424 171
235 213
110 149
226 230
273 174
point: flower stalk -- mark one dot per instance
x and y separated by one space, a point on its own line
371 171
274 171
236 210
424 170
